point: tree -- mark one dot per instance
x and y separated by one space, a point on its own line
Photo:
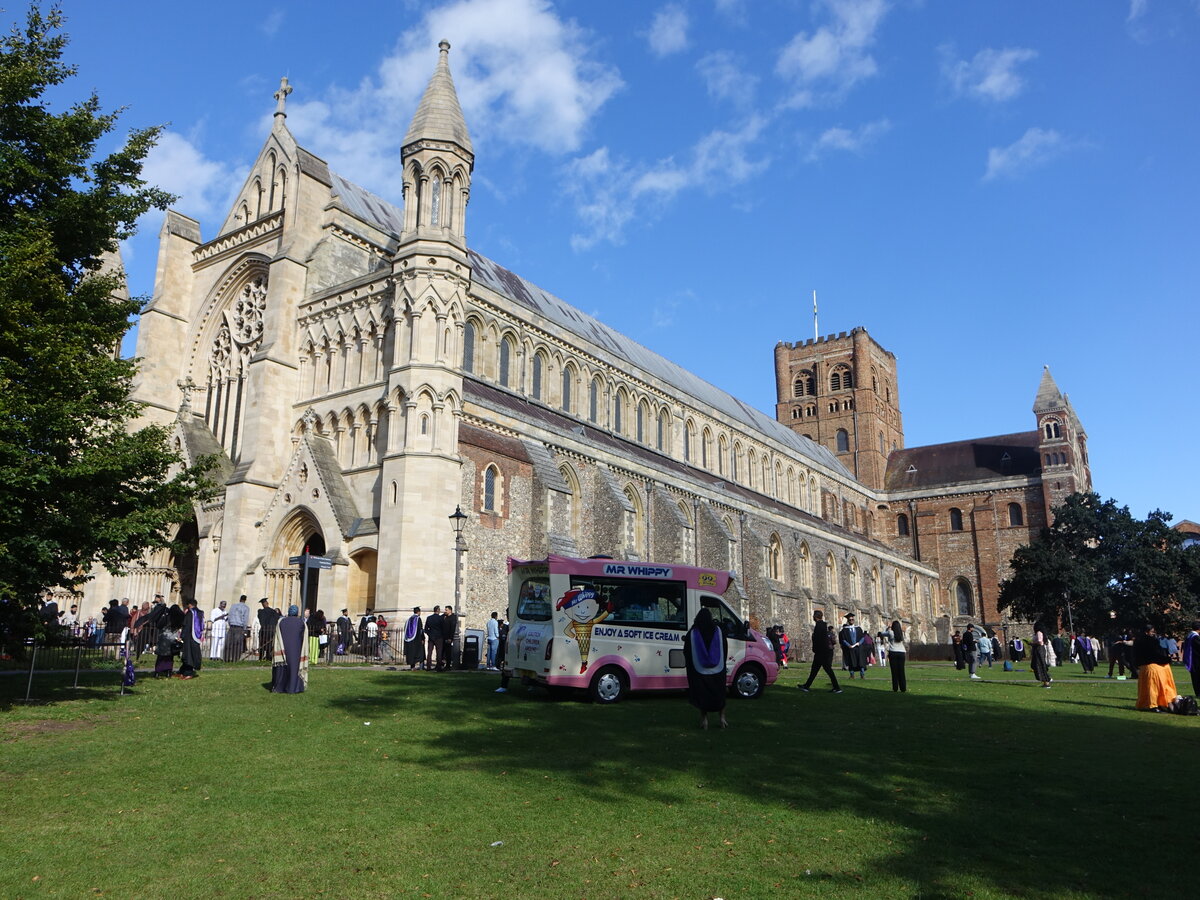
78 485
1101 568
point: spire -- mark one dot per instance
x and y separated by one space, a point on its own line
438 116
1048 395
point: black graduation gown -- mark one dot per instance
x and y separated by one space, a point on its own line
705 692
190 659
414 648
285 679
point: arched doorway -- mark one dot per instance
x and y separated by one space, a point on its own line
184 560
284 578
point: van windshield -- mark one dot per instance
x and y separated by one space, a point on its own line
662 604
533 602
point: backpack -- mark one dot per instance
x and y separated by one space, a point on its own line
1185 706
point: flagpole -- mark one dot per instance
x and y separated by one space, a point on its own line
816 329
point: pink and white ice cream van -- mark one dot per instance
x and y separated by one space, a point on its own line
610 627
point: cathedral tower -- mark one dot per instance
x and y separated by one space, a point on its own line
1062 443
842 392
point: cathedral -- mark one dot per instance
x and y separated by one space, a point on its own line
362 377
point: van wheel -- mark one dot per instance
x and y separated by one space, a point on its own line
608 686
750 682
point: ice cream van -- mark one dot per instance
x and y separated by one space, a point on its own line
610 627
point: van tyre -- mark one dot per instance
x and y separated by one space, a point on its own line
749 682
608 685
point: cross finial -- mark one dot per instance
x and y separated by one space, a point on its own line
186 386
281 97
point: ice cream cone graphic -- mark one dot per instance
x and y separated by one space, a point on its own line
582 632
584 608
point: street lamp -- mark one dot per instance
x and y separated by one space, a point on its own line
458 519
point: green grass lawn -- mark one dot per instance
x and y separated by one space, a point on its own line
384 784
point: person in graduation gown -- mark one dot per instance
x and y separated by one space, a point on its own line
414 639
193 633
289 665
704 652
851 638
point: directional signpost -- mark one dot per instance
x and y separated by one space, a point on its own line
307 561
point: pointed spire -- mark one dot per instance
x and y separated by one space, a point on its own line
438 116
281 96
1048 395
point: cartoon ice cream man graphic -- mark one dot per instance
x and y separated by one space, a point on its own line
583 607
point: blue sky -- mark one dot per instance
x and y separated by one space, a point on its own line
987 187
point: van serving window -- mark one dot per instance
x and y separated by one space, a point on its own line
658 604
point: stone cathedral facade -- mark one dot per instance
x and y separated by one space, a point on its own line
359 372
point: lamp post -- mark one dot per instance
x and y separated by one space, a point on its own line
458 519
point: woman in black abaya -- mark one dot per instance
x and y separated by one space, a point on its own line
290 664
704 652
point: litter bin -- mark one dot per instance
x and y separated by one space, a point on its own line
470 652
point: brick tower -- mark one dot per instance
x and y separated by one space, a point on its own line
1062 443
842 392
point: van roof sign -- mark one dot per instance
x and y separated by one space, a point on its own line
715 580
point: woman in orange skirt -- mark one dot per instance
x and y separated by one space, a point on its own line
1156 684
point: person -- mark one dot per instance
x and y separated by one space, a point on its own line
371 645
897 654
785 646
167 643
1017 649
882 641
985 649
1118 653
316 631
449 636
193 633
267 618
960 659
1156 684
1037 656
289 662
851 637
822 650
502 653
217 629
414 640
1051 654
345 633
235 640
433 635
157 619
69 619
1086 651
493 640
1191 657
1060 648
704 653
772 636
970 651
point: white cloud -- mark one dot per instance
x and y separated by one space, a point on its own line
668 31
272 23
1034 148
524 76
847 140
177 165
835 57
1137 9
726 79
609 193
990 75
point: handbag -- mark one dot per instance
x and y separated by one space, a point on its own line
322 640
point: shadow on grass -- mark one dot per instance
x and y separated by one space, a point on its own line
1026 793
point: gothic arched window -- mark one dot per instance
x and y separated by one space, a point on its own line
843 440
902 525
956 519
568 376
489 489
963 598
538 364
594 400
1015 516
468 362
505 360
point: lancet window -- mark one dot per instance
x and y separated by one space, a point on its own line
237 339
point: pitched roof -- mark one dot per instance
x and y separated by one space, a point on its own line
438 116
1048 395
981 459
389 218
